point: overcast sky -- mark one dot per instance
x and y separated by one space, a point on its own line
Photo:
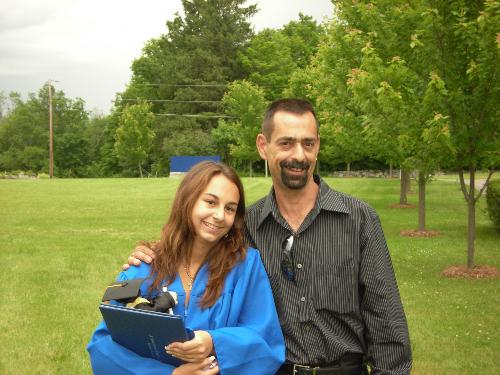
89 45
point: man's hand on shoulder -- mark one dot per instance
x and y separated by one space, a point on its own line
142 253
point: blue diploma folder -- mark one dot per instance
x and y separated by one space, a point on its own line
145 332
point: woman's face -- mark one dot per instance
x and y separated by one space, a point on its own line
214 211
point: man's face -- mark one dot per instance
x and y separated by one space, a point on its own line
292 150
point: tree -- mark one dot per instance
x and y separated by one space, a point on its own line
398 113
188 68
384 27
339 114
246 104
225 135
185 72
272 56
24 134
460 42
268 61
452 47
186 139
70 144
96 137
134 136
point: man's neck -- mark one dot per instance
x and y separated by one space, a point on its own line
295 204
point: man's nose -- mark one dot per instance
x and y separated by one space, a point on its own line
299 153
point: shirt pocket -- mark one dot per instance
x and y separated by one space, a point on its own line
335 288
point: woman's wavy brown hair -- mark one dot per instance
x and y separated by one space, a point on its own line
178 233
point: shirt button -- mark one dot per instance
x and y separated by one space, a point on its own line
299 266
302 299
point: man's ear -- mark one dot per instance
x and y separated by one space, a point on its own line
261 143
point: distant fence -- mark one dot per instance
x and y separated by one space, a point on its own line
179 165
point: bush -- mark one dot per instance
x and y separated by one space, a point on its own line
493 202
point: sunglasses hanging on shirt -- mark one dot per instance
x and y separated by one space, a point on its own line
287 265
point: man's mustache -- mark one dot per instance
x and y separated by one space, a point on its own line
295 165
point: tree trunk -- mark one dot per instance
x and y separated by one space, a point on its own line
390 170
348 169
471 232
250 166
471 199
471 219
403 189
140 170
422 181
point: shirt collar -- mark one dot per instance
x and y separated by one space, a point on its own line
328 199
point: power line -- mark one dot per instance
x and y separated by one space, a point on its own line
169 100
207 116
187 115
198 85
179 85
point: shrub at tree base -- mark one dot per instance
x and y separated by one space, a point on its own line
493 203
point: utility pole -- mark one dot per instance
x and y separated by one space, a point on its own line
51 133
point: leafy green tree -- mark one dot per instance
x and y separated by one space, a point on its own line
459 42
272 56
340 116
24 134
182 136
246 104
303 39
134 135
188 68
225 135
269 62
451 48
70 121
397 114
95 136
185 72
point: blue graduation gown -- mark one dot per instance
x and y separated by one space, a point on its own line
243 324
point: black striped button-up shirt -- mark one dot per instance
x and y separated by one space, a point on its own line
344 298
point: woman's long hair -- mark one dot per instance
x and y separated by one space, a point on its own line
177 239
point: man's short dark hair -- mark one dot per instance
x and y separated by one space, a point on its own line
297 106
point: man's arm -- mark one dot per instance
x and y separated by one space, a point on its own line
142 253
386 333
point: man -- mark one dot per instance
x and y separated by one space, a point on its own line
327 259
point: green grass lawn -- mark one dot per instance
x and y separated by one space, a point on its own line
62 241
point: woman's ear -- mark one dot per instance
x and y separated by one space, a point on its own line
261 143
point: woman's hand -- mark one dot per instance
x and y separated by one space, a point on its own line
141 253
195 350
206 367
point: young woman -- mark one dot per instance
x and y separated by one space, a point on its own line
222 287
